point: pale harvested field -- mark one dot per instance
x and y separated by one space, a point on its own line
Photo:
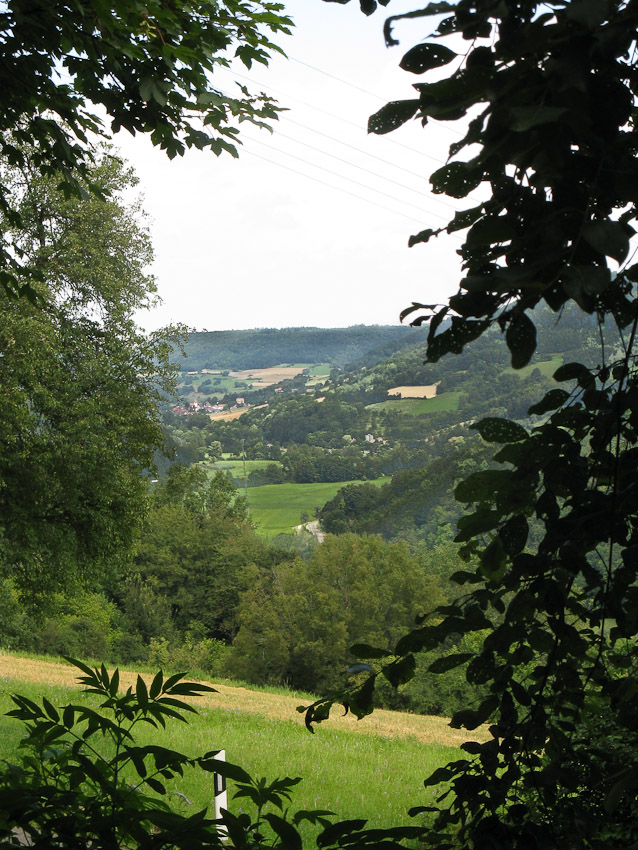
267 377
388 724
414 392
234 414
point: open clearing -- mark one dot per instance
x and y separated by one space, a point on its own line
277 508
546 367
234 414
421 406
272 375
373 768
414 392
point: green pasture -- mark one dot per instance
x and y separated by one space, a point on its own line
345 771
277 508
421 406
322 369
238 465
546 367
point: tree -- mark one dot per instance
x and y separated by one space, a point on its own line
192 551
71 72
298 620
80 383
549 94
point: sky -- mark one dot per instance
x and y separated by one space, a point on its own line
310 226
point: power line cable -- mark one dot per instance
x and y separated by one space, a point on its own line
345 121
350 180
376 174
353 165
336 188
372 94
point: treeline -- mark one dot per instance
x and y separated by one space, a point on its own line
204 591
264 347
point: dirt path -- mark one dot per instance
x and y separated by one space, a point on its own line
313 528
389 724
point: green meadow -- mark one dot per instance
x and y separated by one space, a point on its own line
347 771
421 406
546 367
277 508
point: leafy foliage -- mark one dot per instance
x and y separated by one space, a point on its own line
550 92
147 69
80 383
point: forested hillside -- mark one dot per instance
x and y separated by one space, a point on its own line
264 347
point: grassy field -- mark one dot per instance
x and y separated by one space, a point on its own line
372 768
421 406
547 367
237 465
277 508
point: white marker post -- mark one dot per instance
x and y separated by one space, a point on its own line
221 797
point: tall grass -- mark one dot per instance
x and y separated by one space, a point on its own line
352 774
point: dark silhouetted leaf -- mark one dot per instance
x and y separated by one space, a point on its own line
495 430
423 57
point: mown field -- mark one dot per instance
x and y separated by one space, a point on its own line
372 768
421 406
546 367
236 465
277 508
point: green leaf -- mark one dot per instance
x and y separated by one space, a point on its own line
481 486
288 836
527 117
360 702
51 710
494 561
514 534
115 683
479 522
141 693
364 650
155 784
520 337
575 372
224 768
400 671
424 57
449 662
336 831
391 116
608 237
551 401
156 685
457 179
496 430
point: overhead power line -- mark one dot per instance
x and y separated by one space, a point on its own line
349 180
336 188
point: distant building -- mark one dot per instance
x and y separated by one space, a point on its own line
239 401
369 438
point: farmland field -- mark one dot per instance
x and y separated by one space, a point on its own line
428 391
546 367
421 406
276 508
237 464
272 375
372 768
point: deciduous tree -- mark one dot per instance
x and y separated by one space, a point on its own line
71 71
80 383
546 94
